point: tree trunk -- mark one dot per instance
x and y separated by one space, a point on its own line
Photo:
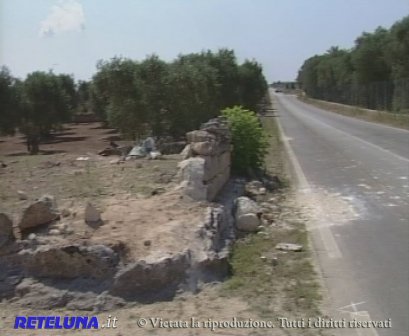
34 145
28 142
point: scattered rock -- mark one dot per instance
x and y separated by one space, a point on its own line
32 236
153 278
147 243
39 213
92 216
69 231
54 232
165 178
2 164
110 151
154 155
6 230
270 258
269 217
82 158
158 191
247 214
289 247
186 152
271 182
22 196
253 189
50 164
65 212
33 293
70 261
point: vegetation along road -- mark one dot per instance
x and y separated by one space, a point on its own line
354 178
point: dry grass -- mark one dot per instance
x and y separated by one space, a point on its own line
62 176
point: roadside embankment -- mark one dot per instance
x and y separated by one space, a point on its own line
399 120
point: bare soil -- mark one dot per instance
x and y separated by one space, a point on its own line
257 290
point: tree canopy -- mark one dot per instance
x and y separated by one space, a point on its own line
170 98
139 98
373 74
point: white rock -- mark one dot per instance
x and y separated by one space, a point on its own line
92 215
154 155
32 236
247 214
22 195
192 176
186 152
289 247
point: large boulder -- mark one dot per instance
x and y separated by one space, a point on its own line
6 230
70 261
203 148
43 211
199 136
192 174
152 279
247 214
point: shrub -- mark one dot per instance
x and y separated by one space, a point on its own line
248 138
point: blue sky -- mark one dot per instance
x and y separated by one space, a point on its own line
70 36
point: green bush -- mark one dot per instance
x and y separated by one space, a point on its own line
248 138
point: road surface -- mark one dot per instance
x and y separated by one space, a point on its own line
353 176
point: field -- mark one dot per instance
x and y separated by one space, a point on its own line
138 204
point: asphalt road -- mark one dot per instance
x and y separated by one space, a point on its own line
355 176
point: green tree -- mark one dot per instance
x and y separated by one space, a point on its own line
83 96
397 56
162 98
252 84
191 96
9 107
152 76
248 138
44 105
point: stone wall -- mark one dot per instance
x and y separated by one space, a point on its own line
206 167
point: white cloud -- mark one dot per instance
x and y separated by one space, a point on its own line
67 15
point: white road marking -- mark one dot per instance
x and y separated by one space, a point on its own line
358 139
327 237
359 315
356 119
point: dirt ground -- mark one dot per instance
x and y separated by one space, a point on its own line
74 138
136 198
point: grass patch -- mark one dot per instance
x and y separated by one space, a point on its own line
399 120
289 287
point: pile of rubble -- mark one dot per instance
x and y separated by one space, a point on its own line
206 167
45 264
